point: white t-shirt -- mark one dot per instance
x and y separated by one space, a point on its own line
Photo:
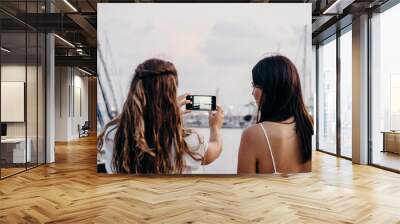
194 141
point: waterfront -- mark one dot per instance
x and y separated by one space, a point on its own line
227 161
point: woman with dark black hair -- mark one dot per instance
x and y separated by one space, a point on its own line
280 142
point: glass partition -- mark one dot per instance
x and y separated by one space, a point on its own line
22 77
41 109
13 94
31 98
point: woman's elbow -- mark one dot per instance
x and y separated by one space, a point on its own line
213 152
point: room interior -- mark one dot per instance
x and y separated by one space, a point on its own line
49 91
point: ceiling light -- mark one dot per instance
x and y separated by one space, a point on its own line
65 41
337 7
84 71
5 50
70 5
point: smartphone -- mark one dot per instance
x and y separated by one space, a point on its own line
201 102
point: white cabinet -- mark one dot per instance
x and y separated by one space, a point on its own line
16 150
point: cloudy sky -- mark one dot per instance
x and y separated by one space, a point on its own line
212 45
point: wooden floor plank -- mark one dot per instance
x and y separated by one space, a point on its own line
70 191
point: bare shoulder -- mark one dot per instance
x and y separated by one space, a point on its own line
251 136
251 132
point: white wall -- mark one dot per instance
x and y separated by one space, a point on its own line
70 83
12 73
62 81
16 73
80 89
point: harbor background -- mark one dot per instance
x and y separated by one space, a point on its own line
227 161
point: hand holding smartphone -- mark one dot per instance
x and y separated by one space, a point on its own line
201 102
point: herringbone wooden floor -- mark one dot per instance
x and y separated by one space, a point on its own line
70 191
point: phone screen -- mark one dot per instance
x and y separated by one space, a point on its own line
201 102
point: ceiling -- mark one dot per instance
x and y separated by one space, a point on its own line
76 22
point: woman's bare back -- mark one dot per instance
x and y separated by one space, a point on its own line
254 154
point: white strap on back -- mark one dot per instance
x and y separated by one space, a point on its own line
269 147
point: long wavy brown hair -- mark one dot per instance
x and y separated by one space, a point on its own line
149 136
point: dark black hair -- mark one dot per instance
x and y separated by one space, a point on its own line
282 98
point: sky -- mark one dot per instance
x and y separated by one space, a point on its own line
213 46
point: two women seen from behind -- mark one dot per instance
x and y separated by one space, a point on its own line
280 141
148 136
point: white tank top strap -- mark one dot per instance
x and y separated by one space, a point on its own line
269 148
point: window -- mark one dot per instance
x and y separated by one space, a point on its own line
385 89
346 94
327 97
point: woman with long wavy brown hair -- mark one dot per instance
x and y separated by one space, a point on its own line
148 136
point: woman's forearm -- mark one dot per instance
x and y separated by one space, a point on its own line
215 136
214 146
